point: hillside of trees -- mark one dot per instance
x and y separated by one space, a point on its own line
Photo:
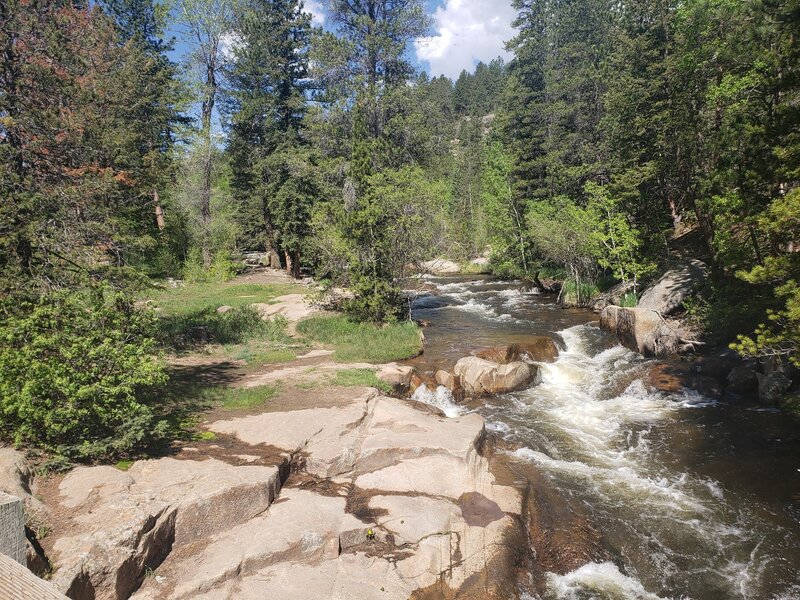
619 133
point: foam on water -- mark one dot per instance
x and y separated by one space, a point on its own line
485 310
592 579
441 398
602 446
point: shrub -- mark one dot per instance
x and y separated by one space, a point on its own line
72 369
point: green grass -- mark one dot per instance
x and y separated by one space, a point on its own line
309 385
360 378
124 465
470 268
363 342
570 294
205 436
188 316
241 398
257 354
629 300
196 297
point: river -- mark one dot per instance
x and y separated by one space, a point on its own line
693 498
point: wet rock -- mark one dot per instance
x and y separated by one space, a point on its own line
772 387
398 376
539 349
452 383
708 386
718 365
674 377
669 378
742 380
481 377
667 294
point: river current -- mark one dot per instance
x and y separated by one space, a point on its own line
693 498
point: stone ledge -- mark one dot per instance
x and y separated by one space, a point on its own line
12 528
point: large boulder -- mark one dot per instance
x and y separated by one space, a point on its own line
398 376
441 266
481 377
408 503
667 294
122 524
641 330
538 349
742 380
772 387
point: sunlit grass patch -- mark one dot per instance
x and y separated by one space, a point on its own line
241 398
363 342
360 378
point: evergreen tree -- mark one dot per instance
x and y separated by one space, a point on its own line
273 168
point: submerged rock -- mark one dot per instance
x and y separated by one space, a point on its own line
667 294
481 377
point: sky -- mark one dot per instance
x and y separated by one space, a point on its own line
463 32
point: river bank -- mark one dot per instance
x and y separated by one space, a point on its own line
592 482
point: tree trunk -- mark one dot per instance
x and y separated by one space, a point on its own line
205 193
159 211
292 263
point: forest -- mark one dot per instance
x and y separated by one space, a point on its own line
620 134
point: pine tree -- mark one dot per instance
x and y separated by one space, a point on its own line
272 165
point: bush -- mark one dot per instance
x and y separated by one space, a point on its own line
72 369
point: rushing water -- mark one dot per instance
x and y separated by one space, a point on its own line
693 498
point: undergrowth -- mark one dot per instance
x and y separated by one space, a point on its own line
363 342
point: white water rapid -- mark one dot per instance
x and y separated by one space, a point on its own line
680 514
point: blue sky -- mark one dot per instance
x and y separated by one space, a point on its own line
463 32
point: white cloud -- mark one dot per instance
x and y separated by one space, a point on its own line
468 31
230 43
317 12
